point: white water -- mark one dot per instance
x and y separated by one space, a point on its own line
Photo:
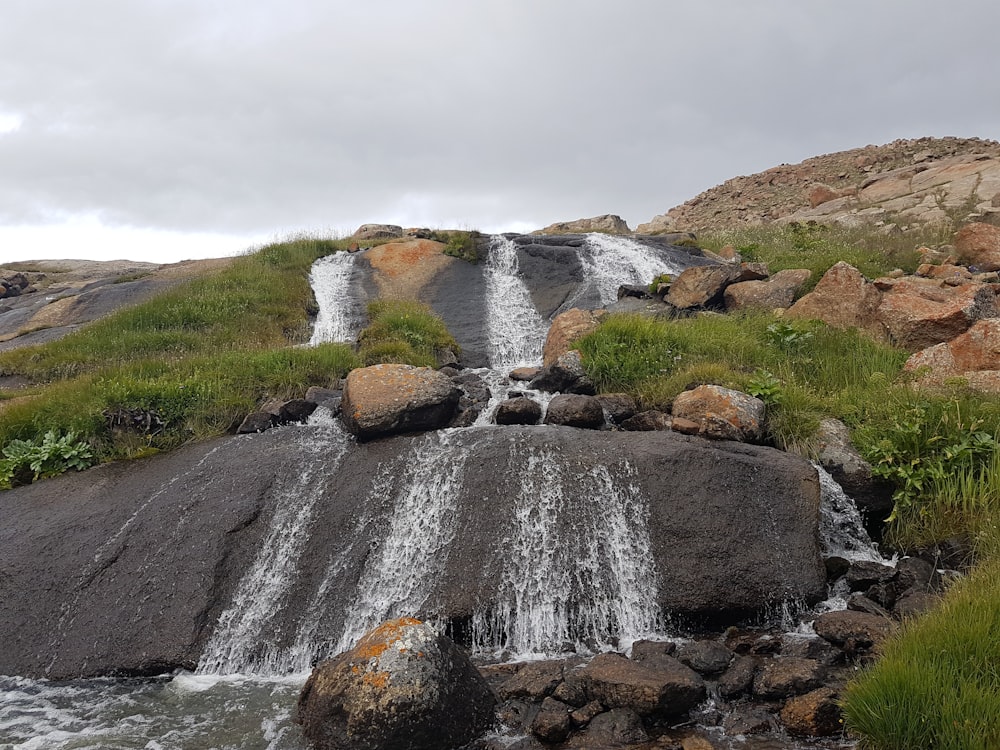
842 531
610 261
236 643
400 574
337 319
516 330
577 577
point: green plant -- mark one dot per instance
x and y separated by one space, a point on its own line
461 245
787 336
765 386
663 278
26 461
404 331
627 349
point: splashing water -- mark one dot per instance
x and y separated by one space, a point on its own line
330 278
842 531
516 330
611 261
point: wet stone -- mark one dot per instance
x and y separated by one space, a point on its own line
535 680
863 574
738 679
705 657
787 675
615 728
552 722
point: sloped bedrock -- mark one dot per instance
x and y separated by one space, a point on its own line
85 591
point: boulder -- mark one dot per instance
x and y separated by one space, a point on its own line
738 678
667 690
701 286
618 727
843 298
618 406
786 676
552 722
328 397
779 291
520 410
256 421
575 410
973 355
721 413
648 421
566 328
565 375
705 657
852 631
387 399
524 374
918 313
978 245
866 573
402 687
608 223
377 232
534 680
815 714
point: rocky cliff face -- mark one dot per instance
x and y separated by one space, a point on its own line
906 182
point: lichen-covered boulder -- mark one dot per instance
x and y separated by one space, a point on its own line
566 328
918 313
978 244
702 286
776 292
402 687
389 399
843 298
721 413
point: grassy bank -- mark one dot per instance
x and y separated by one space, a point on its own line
185 365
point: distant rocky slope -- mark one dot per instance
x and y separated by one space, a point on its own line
906 183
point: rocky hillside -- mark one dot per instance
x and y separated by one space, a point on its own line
906 183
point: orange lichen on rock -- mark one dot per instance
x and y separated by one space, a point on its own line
402 269
375 643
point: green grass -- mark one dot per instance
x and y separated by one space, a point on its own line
404 331
937 683
198 357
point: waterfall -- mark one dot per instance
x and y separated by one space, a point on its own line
330 278
400 574
516 330
842 531
577 567
610 261
239 641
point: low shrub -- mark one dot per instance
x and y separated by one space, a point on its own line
24 461
405 329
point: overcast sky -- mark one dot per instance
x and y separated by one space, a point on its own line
167 129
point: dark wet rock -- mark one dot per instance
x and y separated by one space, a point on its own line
863 574
738 678
402 686
551 723
386 399
295 410
749 719
668 689
327 397
913 603
571 693
913 572
534 680
855 632
475 397
648 421
615 728
565 375
573 410
836 566
517 714
861 603
256 421
524 374
618 406
751 642
785 676
650 651
811 647
815 714
634 291
837 454
705 657
520 410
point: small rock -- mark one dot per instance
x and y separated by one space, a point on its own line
573 410
701 286
738 679
748 720
582 716
861 603
913 603
705 657
721 413
786 676
518 411
815 714
669 689
565 375
524 373
647 421
864 573
615 728
534 680
552 722
853 631
618 406
257 421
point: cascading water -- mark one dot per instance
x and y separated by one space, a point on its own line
842 531
239 641
337 319
611 261
578 570
516 330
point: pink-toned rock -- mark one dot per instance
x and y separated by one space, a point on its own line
699 286
567 328
389 399
819 194
918 313
978 245
777 292
944 271
974 355
843 298
721 413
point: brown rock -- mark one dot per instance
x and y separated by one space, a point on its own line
402 685
973 355
566 328
738 679
574 410
608 223
777 292
582 716
684 426
701 286
819 194
552 723
852 631
618 727
918 313
978 245
524 373
914 603
815 714
648 421
377 232
521 410
721 413
534 680
669 689
944 271
618 406
389 399
786 676
843 298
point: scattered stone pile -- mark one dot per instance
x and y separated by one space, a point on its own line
14 285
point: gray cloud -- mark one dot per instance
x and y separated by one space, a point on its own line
246 118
